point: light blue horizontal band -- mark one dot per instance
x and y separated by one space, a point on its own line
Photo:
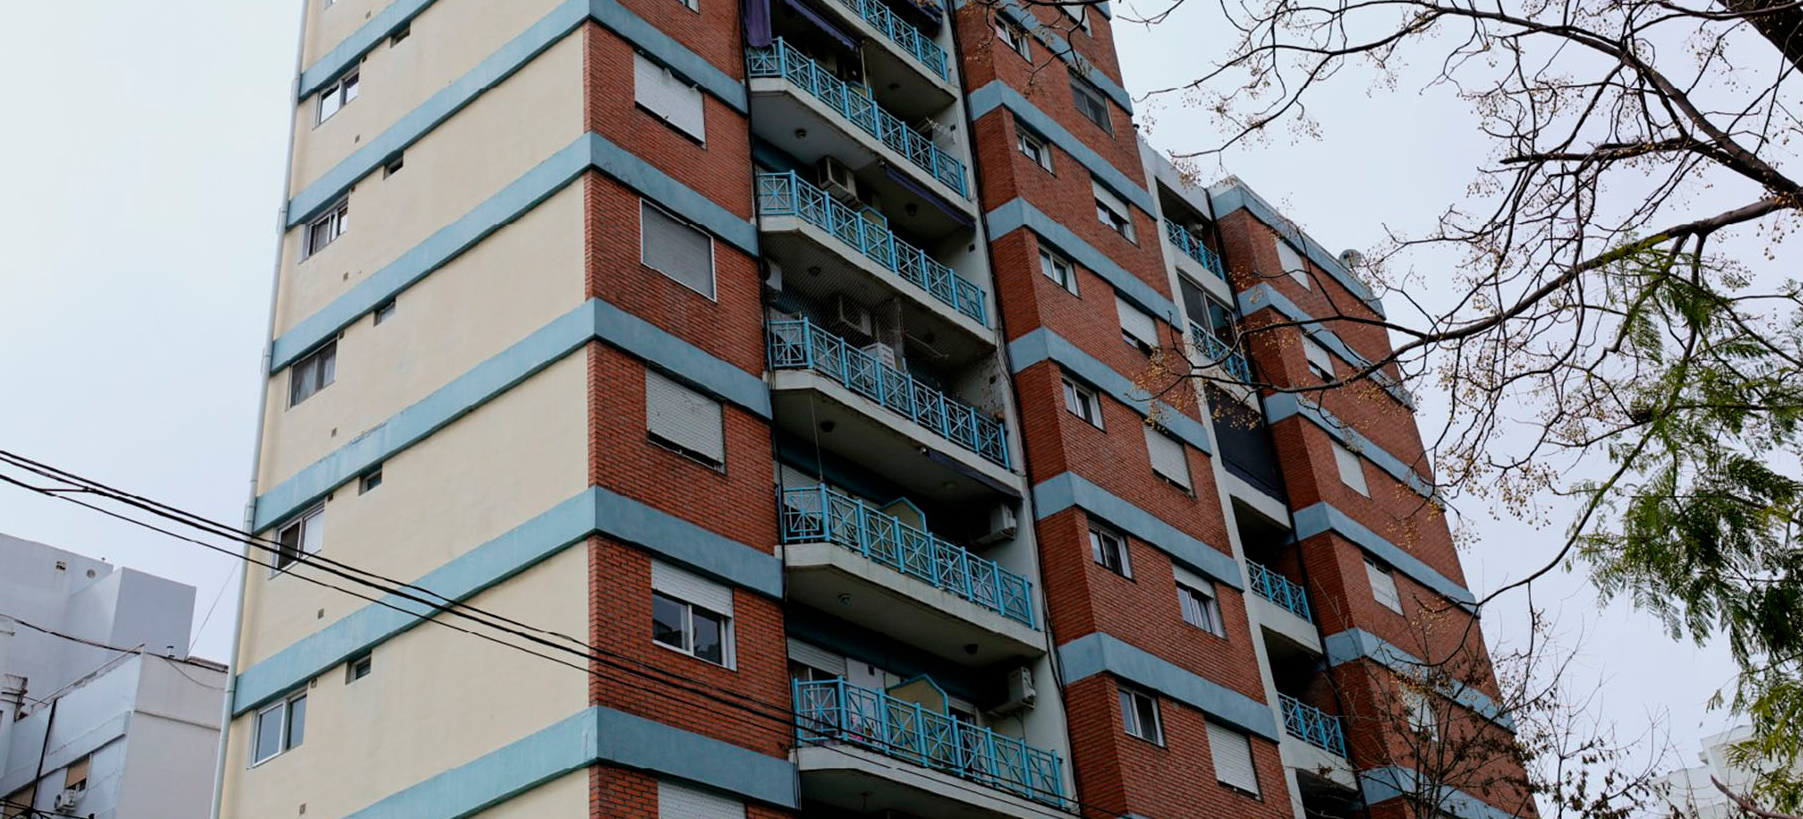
1099 653
497 68
593 511
1237 196
1323 517
1059 46
593 320
1044 345
385 24
1264 295
589 151
1285 404
1354 644
998 94
595 735
1383 784
1018 213
1069 489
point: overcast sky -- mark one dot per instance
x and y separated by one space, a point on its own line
140 169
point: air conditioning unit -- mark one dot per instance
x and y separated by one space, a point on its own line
1021 695
885 354
66 800
836 179
1002 525
850 317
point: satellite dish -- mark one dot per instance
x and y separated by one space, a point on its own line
1352 258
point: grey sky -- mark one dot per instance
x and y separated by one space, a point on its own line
140 169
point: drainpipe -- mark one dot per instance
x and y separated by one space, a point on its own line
43 751
256 454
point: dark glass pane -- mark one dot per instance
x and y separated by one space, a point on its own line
710 634
297 721
666 621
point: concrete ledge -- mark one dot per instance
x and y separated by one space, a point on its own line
1100 653
770 86
889 279
843 774
782 381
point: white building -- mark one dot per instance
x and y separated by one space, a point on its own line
102 713
1690 793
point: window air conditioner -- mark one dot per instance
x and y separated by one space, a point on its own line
836 179
850 317
1021 695
1002 525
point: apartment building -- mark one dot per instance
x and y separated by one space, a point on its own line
777 372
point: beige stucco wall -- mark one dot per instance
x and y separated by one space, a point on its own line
444 43
471 157
510 285
510 460
403 724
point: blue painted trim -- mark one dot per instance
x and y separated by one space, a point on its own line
1099 653
362 41
1019 213
1061 47
593 511
1069 489
998 94
1323 517
590 151
1355 644
1236 196
1264 295
1383 784
1283 405
590 321
594 735
1044 345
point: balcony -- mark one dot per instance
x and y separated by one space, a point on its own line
1312 725
1281 590
901 35
1192 246
839 725
1212 351
869 565
806 229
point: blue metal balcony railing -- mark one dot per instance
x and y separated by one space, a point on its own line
1312 725
1280 590
833 711
786 194
911 39
779 59
815 514
1192 246
1230 360
798 345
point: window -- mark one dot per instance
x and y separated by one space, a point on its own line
327 227
1111 211
384 311
1083 403
1014 36
676 249
1319 361
691 614
75 777
809 663
300 538
675 801
1138 328
1168 460
370 480
280 727
684 420
669 97
1232 752
312 373
1139 714
1058 270
1383 585
1110 550
1197 602
336 95
358 668
1352 472
394 166
397 37
18 803
1078 14
1292 263
1034 147
1422 718
1090 103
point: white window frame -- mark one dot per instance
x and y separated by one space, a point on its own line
336 95
1383 585
334 223
1016 37
1293 262
309 537
1320 361
713 276
1052 265
286 726
711 452
1035 148
1083 402
694 593
1099 540
1173 464
1112 212
1352 469
370 481
1199 604
1220 737
1134 718
310 374
359 667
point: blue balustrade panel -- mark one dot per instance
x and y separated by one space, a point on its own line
779 59
1192 247
1230 360
911 39
1280 590
799 345
1312 725
834 711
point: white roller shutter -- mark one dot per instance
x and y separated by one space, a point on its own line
676 249
668 96
684 417
1167 456
1383 586
691 588
1318 357
813 657
1114 203
1292 263
1232 752
676 801
1352 473
1136 323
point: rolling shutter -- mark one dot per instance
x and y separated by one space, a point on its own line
1232 752
1352 473
1318 357
676 249
684 417
691 588
676 801
1167 457
819 658
668 96
1136 323
1383 586
1292 263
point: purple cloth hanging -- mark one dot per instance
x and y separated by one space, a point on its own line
845 39
757 24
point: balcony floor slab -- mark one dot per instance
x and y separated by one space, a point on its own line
859 780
